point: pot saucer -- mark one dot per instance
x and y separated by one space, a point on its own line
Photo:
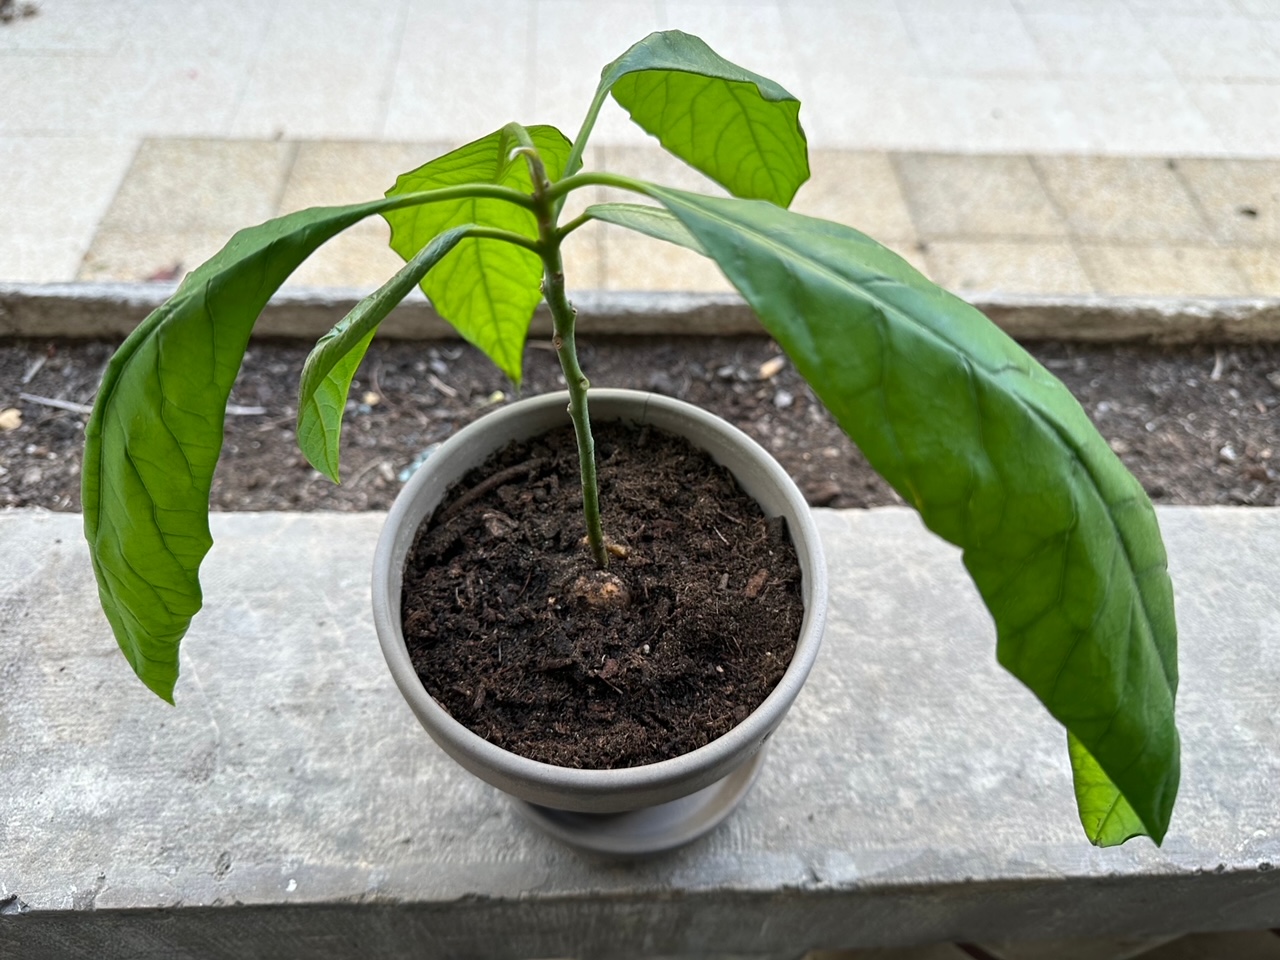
653 829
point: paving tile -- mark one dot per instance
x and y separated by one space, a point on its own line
1018 115
1156 9
440 58
584 256
327 172
996 267
574 39
323 70
974 44
1261 266
904 114
1166 270
956 196
129 256
1215 47
1084 8
957 7
1246 115
69 27
1117 117
634 262
1108 45
358 258
1122 198
1250 945
857 189
850 42
1259 9
191 185
55 191
1240 198
1100 948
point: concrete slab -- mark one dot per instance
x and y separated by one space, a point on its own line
289 806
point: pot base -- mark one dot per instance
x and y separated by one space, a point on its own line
651 829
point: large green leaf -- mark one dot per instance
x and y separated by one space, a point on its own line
737 127
999 459
330 367
488 289
156 432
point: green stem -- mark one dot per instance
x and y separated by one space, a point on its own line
563 187
464 191
546 210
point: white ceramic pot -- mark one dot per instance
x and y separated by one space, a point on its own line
637 809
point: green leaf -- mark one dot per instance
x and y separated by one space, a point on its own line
1105 814
156 432
651 221
737 127
999 459
326 376
487 289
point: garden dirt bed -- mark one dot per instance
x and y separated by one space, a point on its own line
1196 425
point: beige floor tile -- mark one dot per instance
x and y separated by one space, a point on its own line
55 191
857 189
635 262
1122 199
1241 198
176 186
655 165
848 111
327 172
357 258
1250 945
1042 268
1117 116
1157 9
1163 271
583 253
1261 265
126 255
955 196
323 70
1260 9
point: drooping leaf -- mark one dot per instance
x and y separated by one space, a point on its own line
739 128
487 289
156 432
1105 814
651 221
326 376
1000 459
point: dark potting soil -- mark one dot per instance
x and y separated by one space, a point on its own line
517 634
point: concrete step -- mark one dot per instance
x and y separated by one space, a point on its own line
290 806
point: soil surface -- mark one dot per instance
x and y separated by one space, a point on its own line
514 630
1195 425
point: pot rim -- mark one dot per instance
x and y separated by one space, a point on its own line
745 736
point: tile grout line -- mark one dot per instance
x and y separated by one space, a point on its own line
389 81
922 244
1215 242
1072 238
97 227
294 147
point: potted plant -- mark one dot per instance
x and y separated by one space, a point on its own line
991 449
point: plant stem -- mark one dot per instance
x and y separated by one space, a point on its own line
546 209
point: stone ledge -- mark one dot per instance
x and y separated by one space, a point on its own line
114 309
290 806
